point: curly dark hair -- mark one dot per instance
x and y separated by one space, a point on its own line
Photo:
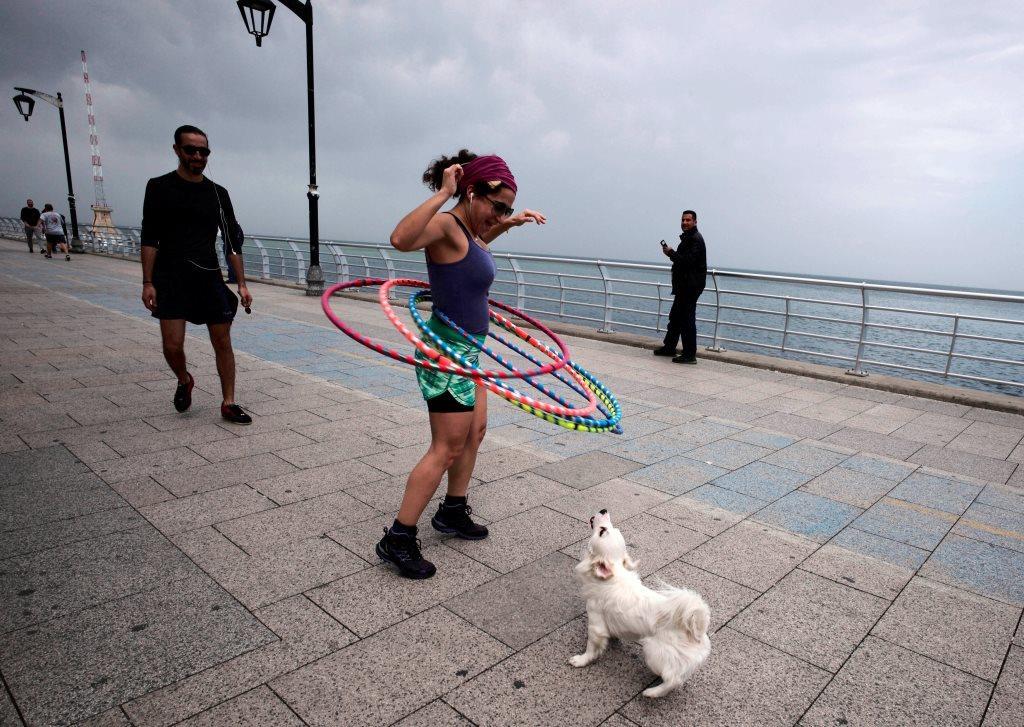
434 175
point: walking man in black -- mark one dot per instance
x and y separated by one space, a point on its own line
30 220
181 279
689 272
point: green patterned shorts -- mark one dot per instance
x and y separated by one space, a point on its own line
434 383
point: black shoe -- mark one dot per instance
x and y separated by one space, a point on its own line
49 257
183 394
67 258
403 551
685 359
664 351
234 414
456 520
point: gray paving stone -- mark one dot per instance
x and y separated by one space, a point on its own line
649 449
621 497
206 508
982 568
71 530
587 470
113 717
144 443
865 441
501 463
1005 498
295 485
20 467
933 428
762 481
86 662
51 583
522 606
701 432
889 469
305 633
812 618
732 410
764 438
848 566
67 497
141 492
361 683
752 555
728 453
939 493
1007 706
797 426
269 576
846 485
396 462
744 682
238 447
993 525
253 709
509 496
677 475
952 626
811 458
707 509
213 476
885 684
725 597
435 714
988 440
813 517
145 465
672 415
906 522
883 418
521 539
964 463
269 529
537 686
375 598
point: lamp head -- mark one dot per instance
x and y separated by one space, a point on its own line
24 103
257 16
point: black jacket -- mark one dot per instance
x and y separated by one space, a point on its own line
689 263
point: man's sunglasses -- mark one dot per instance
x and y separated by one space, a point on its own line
500 208
189 150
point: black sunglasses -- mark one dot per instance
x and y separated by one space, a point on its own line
189 150
500 208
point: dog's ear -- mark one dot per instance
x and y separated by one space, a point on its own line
601 568
629 563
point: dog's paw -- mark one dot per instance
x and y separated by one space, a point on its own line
659 691
579 660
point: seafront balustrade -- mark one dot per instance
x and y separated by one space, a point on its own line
967 338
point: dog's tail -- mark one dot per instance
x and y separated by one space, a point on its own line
690 613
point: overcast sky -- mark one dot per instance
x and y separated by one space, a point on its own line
876 140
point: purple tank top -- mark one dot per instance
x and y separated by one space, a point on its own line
459 289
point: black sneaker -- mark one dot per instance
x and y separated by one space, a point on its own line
455 520
234 414
664 351
183 394
403 551
684 360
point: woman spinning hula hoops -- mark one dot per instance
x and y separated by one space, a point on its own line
460 270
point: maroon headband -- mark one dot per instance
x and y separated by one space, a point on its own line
489 168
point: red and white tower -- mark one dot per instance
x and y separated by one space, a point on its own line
100 210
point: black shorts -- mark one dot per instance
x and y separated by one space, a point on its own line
55 239
446 404
197 295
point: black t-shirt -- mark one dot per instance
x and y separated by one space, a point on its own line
181 218
30 216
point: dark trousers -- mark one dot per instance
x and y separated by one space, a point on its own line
682 323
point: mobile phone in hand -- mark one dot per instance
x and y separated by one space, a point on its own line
663 244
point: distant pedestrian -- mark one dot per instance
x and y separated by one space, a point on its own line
181 278
689 274
53 227
30 219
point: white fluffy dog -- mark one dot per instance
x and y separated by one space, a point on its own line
671 624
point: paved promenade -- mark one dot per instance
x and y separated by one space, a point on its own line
862 552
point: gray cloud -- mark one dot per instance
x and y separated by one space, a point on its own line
877 142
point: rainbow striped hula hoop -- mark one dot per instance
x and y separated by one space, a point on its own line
446 360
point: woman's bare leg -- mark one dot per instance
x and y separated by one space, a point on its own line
461 469
448 435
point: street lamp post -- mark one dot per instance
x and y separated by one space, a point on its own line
25 104
257 16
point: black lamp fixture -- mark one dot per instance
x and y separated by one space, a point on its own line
24 103
257 16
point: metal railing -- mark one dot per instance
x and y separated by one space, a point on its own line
977 342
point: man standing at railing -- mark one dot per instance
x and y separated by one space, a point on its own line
30 219
181 278
689 273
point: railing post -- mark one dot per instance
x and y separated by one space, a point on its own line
264 258
607 327
561 297
718 315
520 283
340 262
785 326
952 345
299 262
857 370
390 265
